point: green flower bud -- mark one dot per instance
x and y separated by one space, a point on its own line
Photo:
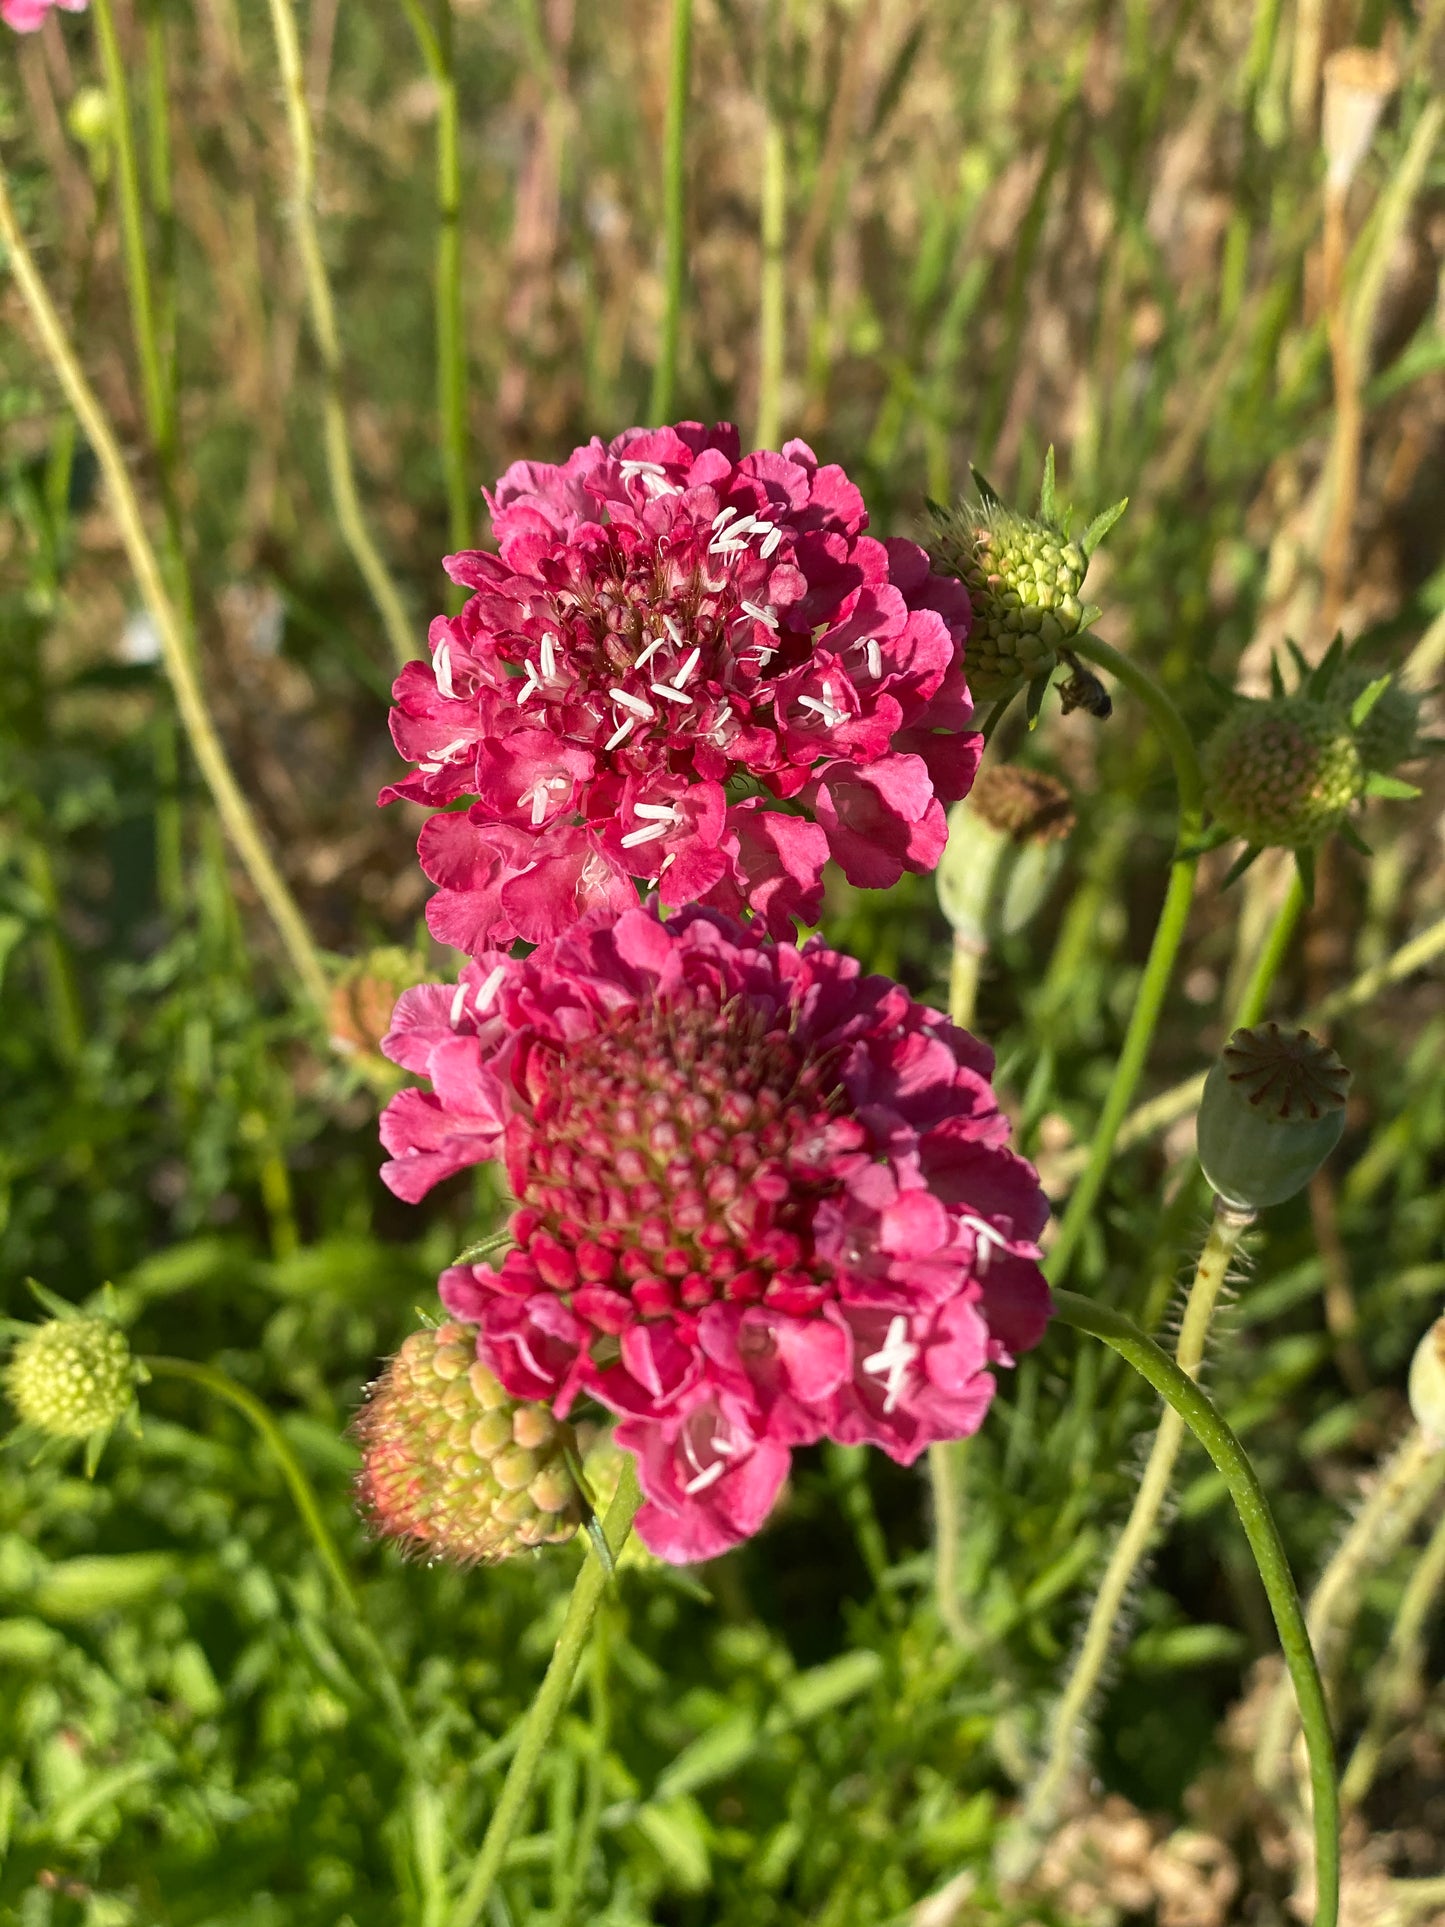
88 117
1272 1111
359 1015
1005 847
1427 1382
1282 773
452 1465
72 1377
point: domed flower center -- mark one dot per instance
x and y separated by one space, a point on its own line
678 1156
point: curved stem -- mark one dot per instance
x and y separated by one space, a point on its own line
1204 1420
1041 1810
339 465
547 1707
674 186
231 805
1159 967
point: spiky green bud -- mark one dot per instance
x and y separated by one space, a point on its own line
452 1465
1282 773
1272 1111
72 1377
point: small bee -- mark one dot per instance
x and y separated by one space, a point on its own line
1083 690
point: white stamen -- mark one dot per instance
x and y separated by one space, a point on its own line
722 518
428 769
825 707
687 668
720 721
539 805
771 543
704 1479
458 1003
671 857
650 834
670 695
657 820
672 629
759 612
620 735
449 750
634 703
986 1239
658 642
528 686
660 812
488 988
875 659
441 664
659 485
892 1362
544 787
549 657
629 469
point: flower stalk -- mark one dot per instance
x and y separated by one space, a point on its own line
1207 1424
231 804
340 467
551 1697
674 208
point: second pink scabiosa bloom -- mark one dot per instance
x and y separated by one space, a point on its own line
762 1200
686 668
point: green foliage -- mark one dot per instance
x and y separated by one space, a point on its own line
190 1728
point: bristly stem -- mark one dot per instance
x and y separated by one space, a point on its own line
436 50
1207 1424
1041 1810
231 805
674 208
339 465
1163 951
551 1697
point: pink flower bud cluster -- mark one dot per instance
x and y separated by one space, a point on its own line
688 669
762 1200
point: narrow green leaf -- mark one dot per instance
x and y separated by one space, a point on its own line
1325 669
988 494
1034 700
1048 501
1241 863
1305 864
1378 784
1276 678
1100 526
1366 700
1351 835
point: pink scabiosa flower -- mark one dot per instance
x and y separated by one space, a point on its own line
762 1199
687 668
28 16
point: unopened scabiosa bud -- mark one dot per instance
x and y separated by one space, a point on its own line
1272 1111
452 1465
1282 773
762 1200
1427 1382
72 1377
1005 847
1024 577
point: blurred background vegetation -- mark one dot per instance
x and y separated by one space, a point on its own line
919 236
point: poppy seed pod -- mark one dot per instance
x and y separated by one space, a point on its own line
1272 1111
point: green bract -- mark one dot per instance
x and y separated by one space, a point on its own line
1272 1111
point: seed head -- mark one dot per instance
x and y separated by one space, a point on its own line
72 1377
1023 578
1282 773
1272 1111
452 1465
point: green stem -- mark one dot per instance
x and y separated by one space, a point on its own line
664 375
64 1009
1169 1106
231 805
155 388
996 715
547 1707
436 50
595 1789
1041 1810
1271 957
1398 1673
1405 1486
340 468
1207 1424
772 280
1164 950
158 169
945 1472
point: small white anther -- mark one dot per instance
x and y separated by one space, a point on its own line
620 735
459 999
670 695
488 988
634 703
441 664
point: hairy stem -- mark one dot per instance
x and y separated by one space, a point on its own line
547 1707
1204 1420
1163 951
340 467
1405 1486
231 805
1041 1810
674 207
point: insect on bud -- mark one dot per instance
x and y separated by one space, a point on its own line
1272 1111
